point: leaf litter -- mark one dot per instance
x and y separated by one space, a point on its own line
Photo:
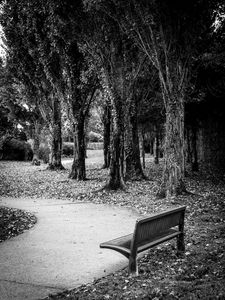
199 274
14 221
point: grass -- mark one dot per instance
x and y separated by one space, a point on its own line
199 274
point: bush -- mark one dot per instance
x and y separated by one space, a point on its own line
67 149
94 137
14 149
44 151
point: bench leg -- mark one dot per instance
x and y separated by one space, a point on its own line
133 267
180 244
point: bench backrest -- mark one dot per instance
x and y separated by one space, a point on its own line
151 226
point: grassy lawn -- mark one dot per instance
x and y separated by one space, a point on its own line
199 274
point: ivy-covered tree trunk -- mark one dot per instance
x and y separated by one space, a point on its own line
132 151
36 136
78 170
56 137
174 166
142 146
107 130
116 174
156 159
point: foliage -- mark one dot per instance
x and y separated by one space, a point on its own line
35 63
96 115
15 149
168 36
94 137
150 102
6 125
13 113
134 51
67 149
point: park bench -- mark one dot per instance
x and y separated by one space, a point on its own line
149 232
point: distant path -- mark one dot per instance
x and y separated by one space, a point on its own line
62 250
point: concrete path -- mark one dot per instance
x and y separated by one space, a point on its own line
62 250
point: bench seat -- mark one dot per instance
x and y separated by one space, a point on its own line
123 243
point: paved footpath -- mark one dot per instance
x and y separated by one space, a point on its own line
62 250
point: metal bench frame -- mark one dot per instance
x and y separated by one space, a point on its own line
149 232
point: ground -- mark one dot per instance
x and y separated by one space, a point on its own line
14 221
199 274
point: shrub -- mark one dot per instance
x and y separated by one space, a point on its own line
94 137
67 149
14 149
44 151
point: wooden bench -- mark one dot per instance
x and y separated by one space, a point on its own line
149 232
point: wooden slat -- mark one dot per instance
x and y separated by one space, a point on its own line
159 215
155 226
147 228
160 238
122 244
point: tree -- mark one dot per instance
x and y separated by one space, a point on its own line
209 84
119 67
6 123
167 33
104 44
133 165
151 113
78 75
81 98
34 62
107 132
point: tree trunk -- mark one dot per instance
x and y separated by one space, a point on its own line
188 142
36 160
78 170
173 172
132 151
116 174
194 164
151 146
107 129
56 142
142 147
157 147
